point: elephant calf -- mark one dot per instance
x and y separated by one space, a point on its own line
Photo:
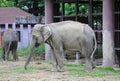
62 36
9 43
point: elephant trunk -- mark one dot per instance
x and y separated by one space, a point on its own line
32 46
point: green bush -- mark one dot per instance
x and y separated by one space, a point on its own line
25 51
40 49
0 50
99 51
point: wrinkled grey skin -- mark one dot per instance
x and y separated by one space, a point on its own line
9 43
62 36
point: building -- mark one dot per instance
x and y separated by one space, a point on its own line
18 20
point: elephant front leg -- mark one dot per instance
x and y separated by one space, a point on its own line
54 64
57 62
60 65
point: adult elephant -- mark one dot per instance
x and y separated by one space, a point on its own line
62 36
9 43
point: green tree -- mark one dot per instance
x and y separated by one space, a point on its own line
70 8
35 7
6 3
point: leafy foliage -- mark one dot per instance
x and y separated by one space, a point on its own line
83 8
36 7
31 6
70 9
25 51
6 3
40 49
0 50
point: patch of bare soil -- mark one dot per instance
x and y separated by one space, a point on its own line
40 71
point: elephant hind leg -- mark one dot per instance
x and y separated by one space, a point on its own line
58 63
3 54
14 48
54 64
8 55
88 61
15 57
89 65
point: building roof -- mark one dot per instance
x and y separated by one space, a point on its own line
9 14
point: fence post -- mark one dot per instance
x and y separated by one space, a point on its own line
6 26
13 26
29 33
77 57
21 36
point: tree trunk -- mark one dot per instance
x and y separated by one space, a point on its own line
48 19
108 33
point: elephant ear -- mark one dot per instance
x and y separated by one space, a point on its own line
46 32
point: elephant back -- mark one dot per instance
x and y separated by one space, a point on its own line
10 35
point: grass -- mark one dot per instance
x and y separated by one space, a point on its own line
73 69
99 71
17 70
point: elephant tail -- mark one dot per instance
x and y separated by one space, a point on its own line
95 47
8 47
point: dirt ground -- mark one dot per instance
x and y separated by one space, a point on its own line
40 71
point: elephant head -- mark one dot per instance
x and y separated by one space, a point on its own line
39 35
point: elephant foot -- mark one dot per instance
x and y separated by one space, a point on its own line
54 70
93 65
61 70
57 70
16 59
8 59
89 69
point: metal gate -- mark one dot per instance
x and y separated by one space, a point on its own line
93 17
